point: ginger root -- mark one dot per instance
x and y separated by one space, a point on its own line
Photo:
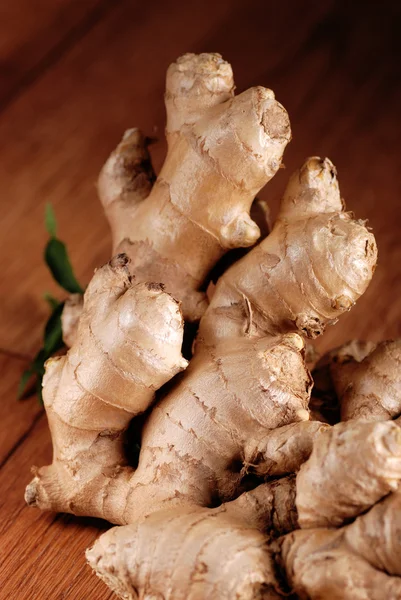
362 559
369 385
212 507
222 149
354 469
198 539
70 318
321 564
88 394
328 495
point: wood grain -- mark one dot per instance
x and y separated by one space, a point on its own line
42 555
34 35
76 114
17 418
74 75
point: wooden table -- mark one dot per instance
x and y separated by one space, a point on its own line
74 75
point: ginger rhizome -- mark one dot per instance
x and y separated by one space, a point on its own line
348 491
229 450
222 149
332 555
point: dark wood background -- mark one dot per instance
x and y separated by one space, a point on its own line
73 75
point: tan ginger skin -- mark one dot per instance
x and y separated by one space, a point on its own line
217 161
175 227
335 555
189 526
362 559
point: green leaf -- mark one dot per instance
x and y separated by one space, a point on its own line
38 363
53 338
25 377
59 264
57 259
51 300
35 368
50 220
53 341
